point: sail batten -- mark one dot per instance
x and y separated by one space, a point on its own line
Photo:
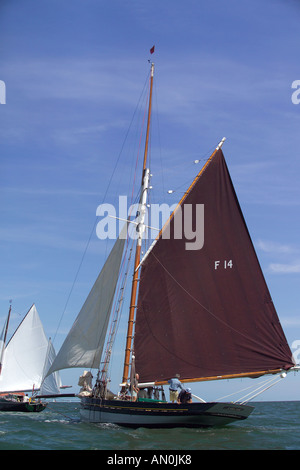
207 312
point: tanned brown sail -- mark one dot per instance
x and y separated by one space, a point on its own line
207 313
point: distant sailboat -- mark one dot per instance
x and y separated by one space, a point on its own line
24 361
204 313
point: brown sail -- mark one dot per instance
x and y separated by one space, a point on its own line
207 313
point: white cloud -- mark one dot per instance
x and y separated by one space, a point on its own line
273 247
285 252
83 79
290 321
50 237
279 268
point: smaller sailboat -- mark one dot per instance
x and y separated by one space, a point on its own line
24 361
204 312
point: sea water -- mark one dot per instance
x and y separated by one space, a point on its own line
272 426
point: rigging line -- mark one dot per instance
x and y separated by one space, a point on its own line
131 208
139 148
265 381
116 302
117 313
204 158
159 140
19 325
253 396
261 385
203 306
95 223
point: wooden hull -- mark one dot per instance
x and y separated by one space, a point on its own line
24 407
161 414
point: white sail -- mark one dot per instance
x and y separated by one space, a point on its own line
2 344
51 384
84 344
24 355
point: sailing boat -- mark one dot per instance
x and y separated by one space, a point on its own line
203 312
24 361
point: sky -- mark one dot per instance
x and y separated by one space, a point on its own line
74 72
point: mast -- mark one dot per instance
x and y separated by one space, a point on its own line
4 339
140 230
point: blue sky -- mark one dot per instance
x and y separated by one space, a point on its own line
74 72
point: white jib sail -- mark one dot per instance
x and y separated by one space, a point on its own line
51 384
84 344
24 355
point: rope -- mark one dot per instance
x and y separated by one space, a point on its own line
264 382
261 391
